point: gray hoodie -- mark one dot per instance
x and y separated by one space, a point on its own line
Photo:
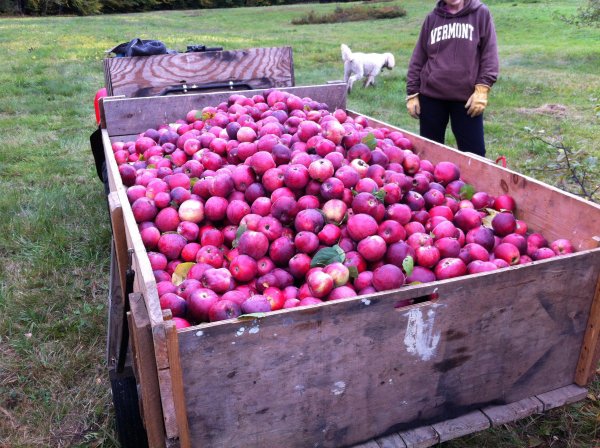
454 52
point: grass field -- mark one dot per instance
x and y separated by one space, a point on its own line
54 245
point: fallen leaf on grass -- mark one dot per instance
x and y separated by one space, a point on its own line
534 441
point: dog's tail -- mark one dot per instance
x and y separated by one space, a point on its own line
346 53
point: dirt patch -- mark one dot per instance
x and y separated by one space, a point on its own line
552 110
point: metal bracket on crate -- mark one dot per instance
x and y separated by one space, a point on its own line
186 88
129 278
502 160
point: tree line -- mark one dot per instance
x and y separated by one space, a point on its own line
89 7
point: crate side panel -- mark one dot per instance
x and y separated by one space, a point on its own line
546 209
261 68
343 372
135 115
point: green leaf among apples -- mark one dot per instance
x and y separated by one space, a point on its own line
467 191
486 221
240 231
408 264
370 141
353 271
379 194
180 273
328 255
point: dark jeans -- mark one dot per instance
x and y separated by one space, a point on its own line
434 118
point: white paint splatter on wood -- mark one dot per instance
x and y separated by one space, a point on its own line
421 339
240 332
339 387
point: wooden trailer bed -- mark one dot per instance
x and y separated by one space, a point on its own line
494 347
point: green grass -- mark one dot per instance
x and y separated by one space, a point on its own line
54 248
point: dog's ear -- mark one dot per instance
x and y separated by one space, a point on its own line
346 53
390 61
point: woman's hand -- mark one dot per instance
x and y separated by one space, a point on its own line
477 102
413 105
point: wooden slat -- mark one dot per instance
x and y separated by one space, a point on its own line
422 437
114 178
173 443
136 115
546 209
461 426
391 441
115 312
107 80
119 236
356 368
119 259
588 357
168 404
368 444
562 396
145 371
261 68
499 415
177 384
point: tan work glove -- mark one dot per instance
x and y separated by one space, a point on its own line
413 105
477 102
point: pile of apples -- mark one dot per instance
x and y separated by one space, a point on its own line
272 201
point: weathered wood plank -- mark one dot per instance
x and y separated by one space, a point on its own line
588 357
173 443
119 237
114 179
422 437
391 441
115 312
260 68
357 368
538 204
177 384
168 404
145 371
461 426
562 396
511 412
134 115
368 444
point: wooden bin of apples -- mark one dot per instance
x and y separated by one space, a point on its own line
309 276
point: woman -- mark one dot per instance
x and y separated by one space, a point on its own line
451 71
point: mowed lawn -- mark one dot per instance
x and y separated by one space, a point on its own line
55 235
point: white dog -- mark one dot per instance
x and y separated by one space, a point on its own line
358 65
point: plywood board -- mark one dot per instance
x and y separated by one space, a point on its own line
333 374
260 68
135 115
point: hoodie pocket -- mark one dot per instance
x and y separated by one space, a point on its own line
449 83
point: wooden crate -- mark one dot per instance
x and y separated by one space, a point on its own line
344 372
